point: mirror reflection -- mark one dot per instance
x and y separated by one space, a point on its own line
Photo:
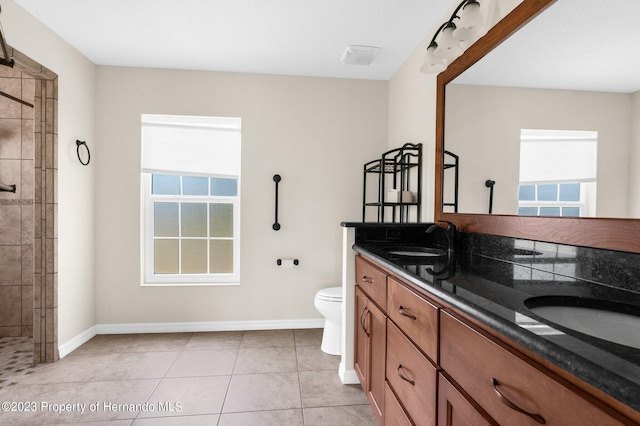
552 117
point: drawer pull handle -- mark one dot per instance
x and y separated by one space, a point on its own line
366 279
537 417
363 316
406 314
403 377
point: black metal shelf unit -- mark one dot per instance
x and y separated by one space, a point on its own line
399 169
451 166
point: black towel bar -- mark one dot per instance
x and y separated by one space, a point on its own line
7 188
276 225
489 184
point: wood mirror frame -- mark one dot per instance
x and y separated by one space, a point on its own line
605 233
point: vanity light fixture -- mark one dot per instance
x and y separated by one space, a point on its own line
465 26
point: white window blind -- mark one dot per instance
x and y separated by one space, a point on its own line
191 145
558 156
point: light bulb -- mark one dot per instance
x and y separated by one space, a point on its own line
448 47
470 27
431 64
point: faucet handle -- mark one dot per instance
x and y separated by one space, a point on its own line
451 227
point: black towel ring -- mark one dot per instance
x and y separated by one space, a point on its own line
86 147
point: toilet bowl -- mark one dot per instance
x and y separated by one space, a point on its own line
328 302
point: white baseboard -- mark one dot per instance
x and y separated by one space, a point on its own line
348 377
73 344
184 327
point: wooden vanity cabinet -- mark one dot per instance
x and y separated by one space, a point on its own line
507 386
456 409
415 316
422 364
372 281
371 335
412 376
394 414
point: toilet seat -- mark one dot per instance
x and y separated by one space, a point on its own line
331 294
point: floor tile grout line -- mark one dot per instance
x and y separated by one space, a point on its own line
299 381
295 348
163 377
226 392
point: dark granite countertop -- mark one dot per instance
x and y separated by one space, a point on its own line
493 290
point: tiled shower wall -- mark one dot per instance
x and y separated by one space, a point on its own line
45 327
17 155
28 218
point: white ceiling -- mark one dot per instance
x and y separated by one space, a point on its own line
574 44
293 37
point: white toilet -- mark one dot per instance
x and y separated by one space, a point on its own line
328 302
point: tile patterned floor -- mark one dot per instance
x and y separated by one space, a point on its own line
16 359
271 377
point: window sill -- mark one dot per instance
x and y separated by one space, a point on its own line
190 284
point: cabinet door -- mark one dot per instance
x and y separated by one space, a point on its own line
361 340
377 324
454 409
370 350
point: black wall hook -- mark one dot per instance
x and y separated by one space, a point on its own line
86 147
276 225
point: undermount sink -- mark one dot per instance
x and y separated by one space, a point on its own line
416 252
611 321
525 252
415 255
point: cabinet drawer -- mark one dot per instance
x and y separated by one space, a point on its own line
415 316
372 281
510 389
412 377
393 412
454 409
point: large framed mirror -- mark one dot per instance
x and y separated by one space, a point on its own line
474 117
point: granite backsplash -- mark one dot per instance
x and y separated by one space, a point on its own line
549 262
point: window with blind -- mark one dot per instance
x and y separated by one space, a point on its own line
191 196
558 170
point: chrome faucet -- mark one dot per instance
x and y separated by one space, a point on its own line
450 233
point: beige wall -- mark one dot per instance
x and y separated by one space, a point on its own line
316 133
634 157
412 103
412 116
483 127
75 194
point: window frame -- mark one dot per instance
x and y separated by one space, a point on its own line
191 146
582 204
149 277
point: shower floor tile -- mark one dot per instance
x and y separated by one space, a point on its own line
16 359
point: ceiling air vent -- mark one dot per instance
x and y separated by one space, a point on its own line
359 55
